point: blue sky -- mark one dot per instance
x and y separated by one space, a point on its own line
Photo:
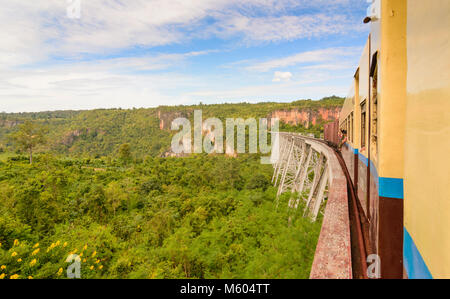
138 53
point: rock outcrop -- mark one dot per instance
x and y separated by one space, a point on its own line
166 118
306 116
69 138
298 116
8 124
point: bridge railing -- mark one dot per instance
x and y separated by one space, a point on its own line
309 168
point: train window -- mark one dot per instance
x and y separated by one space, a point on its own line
363 124
351 127
348 129
347 122
374 108
346 126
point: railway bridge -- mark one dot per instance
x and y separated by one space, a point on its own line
316 178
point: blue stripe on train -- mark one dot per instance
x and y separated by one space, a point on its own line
373 169
390 187
387 187
363 159
412 259
354 150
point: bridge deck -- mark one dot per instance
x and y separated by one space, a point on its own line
333 257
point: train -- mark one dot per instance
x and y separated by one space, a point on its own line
396 120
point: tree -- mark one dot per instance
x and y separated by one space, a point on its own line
258 181
115 195
95 203
28 137
125 152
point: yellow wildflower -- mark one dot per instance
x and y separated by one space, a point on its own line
85 247
16 242
3 267
74 251
33 262
91 267
14 254
19 260
60 271
30 277
58 242
36 251
84 260
65 244
15 276
0 244
100 267
36 245
53 245
97 261
94 253
2 276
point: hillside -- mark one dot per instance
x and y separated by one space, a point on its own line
97 133
198 217
202 216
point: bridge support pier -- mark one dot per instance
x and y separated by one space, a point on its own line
301 169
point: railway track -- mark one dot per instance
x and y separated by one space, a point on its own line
358 239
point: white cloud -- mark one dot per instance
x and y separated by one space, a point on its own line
317 56
35 32
287 28
71 88
282 76
272 92
333 66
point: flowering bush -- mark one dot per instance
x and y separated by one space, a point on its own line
27 261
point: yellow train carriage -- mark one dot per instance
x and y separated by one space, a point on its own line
397 118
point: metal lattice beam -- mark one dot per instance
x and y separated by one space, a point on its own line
303 169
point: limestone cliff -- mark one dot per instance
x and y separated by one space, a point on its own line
294 116
306 116
166 118
8 124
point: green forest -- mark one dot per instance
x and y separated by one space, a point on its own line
99 133
97 186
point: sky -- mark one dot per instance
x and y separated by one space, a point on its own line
87 54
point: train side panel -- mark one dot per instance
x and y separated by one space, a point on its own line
349 149
427 141
397 117
330 132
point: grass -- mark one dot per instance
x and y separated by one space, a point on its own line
5 155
